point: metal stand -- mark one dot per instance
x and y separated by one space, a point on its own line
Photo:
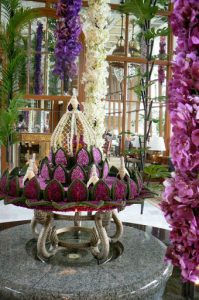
99 242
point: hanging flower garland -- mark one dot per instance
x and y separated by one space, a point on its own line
97 34
181 197
68 47
162 53
38 88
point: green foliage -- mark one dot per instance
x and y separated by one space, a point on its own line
162 4
53 79
144 12
153 32
155 120
14 19
10 77
51 34
141 9
138 89
156 171
13 44
127 132
8 120
160 99
134 151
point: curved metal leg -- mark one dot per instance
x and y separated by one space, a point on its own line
47 233
33 226
101 252
38 218
77 221
119 228
99 241
106 219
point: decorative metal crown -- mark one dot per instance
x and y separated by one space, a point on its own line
73 131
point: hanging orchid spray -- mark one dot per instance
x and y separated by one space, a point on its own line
38 89
162 52
67 34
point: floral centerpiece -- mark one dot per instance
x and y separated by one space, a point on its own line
181 196
74 176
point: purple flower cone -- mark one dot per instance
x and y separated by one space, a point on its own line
181 197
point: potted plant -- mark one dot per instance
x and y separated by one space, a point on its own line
157 172
144 12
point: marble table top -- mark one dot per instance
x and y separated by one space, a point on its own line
139 273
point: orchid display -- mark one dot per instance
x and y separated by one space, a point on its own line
68 31
97 34
162 53
38 89
181 197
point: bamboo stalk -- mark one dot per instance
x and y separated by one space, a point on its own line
130 102
125 83
109 100
167 131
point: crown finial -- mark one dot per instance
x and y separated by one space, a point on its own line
73 104
75 92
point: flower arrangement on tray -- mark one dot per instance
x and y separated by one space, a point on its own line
181 196
74 177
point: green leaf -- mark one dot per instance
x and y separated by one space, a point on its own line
8 121
156 171
155 120
127 132
141 9
153 32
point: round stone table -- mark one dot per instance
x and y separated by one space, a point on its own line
139 273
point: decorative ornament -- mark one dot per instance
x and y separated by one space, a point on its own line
68 31
122 170
94 176
73 132
181 196
32 169
97 35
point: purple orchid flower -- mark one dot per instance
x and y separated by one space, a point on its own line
181 196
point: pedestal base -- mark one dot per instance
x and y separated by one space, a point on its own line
98 242
139 273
